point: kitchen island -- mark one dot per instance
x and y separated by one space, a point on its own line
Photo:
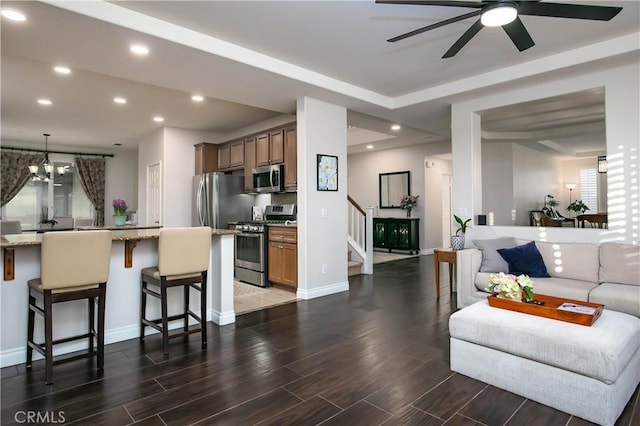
137 248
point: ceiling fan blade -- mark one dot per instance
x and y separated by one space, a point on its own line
434 26
519 34
573 11
464 39
473 4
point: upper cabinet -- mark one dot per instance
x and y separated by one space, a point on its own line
224 160
290 159
236 154
270 148
206 158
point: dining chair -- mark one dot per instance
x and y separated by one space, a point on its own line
73 266
183 261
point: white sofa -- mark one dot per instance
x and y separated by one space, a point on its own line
607 273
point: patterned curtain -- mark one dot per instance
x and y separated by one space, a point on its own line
92 176
15 173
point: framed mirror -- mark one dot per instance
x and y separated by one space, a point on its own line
392 187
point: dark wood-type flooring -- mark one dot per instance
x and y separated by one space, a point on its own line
377 354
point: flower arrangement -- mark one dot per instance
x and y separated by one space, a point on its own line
119 207
408 201
508 286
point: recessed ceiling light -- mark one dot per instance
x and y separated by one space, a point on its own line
158 119
117 144
62 69
369 146
44 102
119 100
197 98
139 49
396 127
14 15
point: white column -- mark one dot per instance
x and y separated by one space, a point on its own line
220 281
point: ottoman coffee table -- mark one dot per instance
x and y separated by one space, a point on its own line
590 372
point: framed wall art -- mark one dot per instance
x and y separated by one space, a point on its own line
327 172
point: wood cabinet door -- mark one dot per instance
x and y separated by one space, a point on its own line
276 272
262 150
236 154
249 163
206 157
276 147
290 159
224 161
290 265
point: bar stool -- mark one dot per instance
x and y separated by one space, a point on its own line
73 266
183 260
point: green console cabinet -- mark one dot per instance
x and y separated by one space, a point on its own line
396 234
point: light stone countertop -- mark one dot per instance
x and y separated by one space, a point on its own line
20 240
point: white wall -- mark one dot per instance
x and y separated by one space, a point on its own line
497 181
622 109
363 184
121 181
150 151
322 129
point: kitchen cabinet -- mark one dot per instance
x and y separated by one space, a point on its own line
283 256
249 163
270 148
224 160
290 159
397 234
206 156
236 154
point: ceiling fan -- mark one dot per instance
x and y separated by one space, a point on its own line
505 14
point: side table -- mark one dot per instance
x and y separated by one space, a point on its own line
447 255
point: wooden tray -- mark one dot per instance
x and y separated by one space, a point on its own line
550 308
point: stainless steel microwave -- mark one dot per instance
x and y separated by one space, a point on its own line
268 179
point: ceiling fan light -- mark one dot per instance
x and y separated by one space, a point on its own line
498 15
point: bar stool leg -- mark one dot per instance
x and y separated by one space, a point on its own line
143 307
48 337
203 309
30 327
92 327
186 307
101 316
165 325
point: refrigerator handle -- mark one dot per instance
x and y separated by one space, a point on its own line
199 201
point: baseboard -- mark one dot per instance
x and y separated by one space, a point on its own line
322 291
222 318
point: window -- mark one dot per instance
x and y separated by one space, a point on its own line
589 188
62 196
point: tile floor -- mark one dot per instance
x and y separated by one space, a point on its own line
249 298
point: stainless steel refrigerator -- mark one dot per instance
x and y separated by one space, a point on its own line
219 199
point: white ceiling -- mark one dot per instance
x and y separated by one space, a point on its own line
252 60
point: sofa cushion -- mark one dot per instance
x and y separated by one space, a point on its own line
620 263
618 297
491 260
601 351
558 287
578 261
525 259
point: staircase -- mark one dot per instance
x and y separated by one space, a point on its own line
360 239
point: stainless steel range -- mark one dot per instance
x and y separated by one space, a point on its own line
251 262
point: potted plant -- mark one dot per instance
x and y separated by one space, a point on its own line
577 206
119 212
457 240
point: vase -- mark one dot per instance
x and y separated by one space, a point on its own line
515 296
119 220
408 212
457 242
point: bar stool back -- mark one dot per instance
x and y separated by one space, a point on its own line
183 260
73 266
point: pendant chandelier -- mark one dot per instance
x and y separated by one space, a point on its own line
47 167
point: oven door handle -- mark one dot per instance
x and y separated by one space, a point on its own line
258 235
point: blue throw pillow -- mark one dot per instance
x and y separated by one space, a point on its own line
525 259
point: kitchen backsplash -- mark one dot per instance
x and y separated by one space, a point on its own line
284 198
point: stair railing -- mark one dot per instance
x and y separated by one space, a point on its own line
360 238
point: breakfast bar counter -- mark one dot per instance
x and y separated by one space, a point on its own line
21 262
